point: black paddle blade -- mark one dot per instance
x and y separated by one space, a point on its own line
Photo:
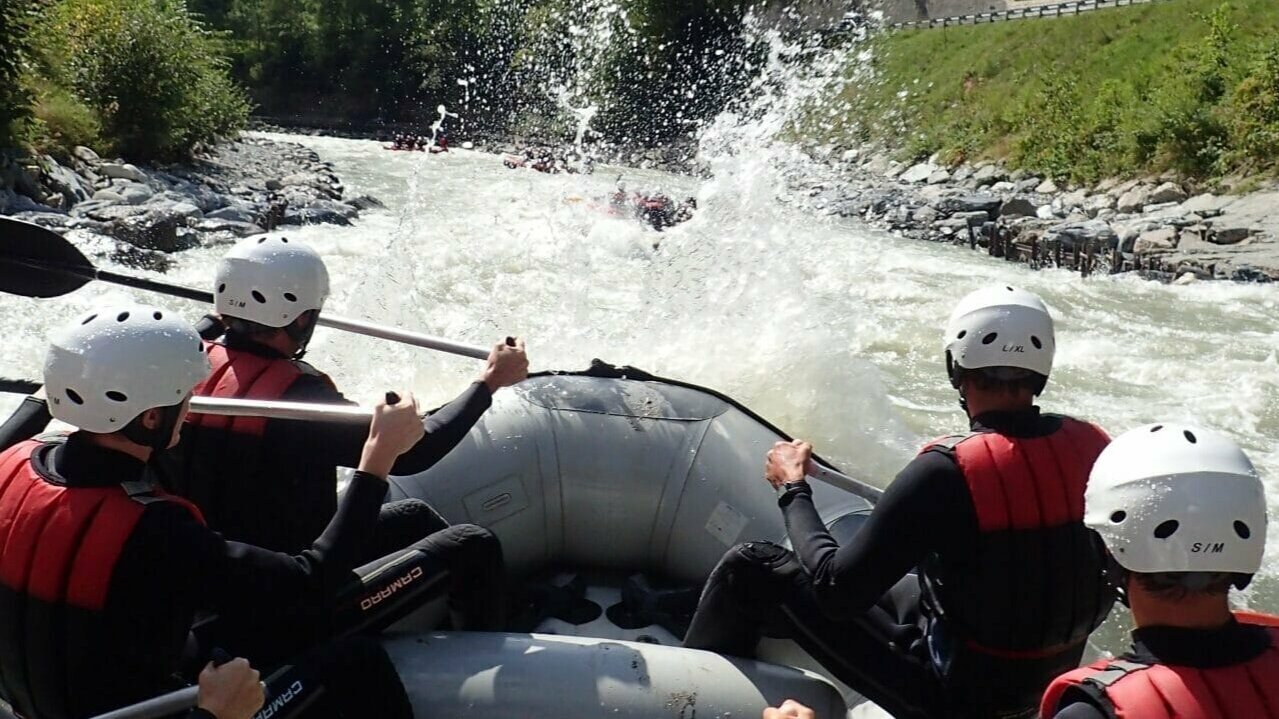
38 262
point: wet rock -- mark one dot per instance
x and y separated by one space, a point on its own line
232 227
234 213
111 213
1019 207
1167 192
315 216
185 210
1003 187
122 172
1084 234
368 202
1133 200
52 220
63 181
151 231
274 185
926 214
988 204
135 194
341 209
964 172
1229 235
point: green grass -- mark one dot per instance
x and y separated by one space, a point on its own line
1118 91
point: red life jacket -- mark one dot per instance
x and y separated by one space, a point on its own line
58 550
1035 586
242 375
1249 690
228 470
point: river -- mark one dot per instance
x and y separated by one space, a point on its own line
827 328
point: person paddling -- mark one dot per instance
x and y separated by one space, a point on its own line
1009 583
1182 514
102 572
273 482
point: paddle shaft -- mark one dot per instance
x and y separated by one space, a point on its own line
339 323
355 414
174 702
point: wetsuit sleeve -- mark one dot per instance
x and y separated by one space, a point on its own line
341 444
925 508
223 576
30 419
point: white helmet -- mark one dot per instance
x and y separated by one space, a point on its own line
270 281
113 364
1175 498
999 326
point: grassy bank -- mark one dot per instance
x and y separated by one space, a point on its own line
1188 84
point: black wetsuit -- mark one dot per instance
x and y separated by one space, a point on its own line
1232 644
172 568
856 608
279 490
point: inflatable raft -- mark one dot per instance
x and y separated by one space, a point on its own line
614 494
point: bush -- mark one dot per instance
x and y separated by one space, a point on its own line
17 17
62 122
1253 124
150 71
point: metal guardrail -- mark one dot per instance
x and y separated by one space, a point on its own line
1039 11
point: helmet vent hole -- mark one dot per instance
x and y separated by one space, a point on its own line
222 288
1166 529
122 317
285 240
261 240
74 396
89 319
290 297
1008 288
259 297
989 338
115 396
158 315
1035 341
1190 437
1156 428
1242 530
962 334
1118 517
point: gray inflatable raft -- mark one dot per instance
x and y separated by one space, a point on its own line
602 487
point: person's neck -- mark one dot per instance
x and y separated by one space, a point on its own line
278 341
1191 612
980 403
118 443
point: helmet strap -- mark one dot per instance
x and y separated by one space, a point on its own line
301 332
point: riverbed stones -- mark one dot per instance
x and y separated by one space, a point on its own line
918 173
985 203
1167 192
1019 207
989 175
1229 234
1133 200
122 171
1047 187
1155 240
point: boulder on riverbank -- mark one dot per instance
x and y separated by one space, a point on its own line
237 189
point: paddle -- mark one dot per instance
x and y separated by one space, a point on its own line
38 262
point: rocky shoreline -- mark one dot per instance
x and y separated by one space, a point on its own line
139 215
1153 226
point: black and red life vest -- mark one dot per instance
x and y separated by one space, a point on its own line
248 492
58 550
1134 690
1034 587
